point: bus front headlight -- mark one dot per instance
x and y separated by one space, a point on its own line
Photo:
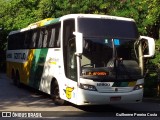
87 87
137 87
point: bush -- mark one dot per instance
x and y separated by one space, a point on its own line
152 66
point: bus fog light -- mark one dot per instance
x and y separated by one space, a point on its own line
87 87
137 87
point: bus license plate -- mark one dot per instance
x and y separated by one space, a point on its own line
116 98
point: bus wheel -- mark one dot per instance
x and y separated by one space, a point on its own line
55 94
14 78
18 84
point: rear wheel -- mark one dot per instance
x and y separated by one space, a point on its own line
18 84
55 95
13 77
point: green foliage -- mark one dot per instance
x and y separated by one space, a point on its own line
145 12
152 67
19 13
150 85
156 60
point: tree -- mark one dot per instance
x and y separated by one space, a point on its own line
17 14
145 12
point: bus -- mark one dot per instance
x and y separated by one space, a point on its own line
85 59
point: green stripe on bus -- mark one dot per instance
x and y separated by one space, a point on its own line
52 21
124 84
37 67
120 84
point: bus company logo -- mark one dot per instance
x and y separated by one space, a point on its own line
103 84
21 56
68 92
17 55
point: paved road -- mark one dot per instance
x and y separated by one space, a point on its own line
20 100
25 99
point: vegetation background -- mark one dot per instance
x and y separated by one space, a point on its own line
17 14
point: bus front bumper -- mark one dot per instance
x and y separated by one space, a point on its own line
85 97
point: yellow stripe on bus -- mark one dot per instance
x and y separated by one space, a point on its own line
23 68
131 84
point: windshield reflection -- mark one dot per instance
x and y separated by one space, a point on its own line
111 58
96 52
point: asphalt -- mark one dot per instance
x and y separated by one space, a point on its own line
152 99
145 99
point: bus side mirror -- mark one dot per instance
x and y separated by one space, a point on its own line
148 46
79 42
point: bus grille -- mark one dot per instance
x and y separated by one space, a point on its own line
114 89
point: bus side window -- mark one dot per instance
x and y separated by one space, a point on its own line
33 42
16 41
41 37
22 39
11 41
45 40
15 46
52 39
57 37
27 40
48 36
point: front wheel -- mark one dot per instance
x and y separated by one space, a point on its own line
55 95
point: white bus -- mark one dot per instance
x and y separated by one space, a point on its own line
85 59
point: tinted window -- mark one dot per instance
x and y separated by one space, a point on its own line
44 37
55 36
28 39
69 49
107 28
16 41
34 38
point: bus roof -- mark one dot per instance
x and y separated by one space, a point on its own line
95 16
40 23
49 21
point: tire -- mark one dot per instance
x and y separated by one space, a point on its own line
18 83
55 94
14 78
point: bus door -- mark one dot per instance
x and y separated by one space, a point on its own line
70 61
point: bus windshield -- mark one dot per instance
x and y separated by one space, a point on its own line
110 59
110 28
110 50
